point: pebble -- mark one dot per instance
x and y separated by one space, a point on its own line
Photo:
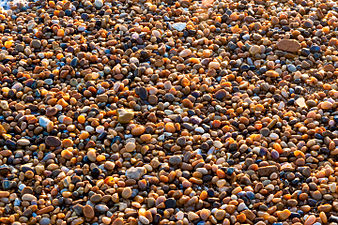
36 43
283 215
98 3
28 197
52 141
23 142
127 192
179 26
267 170
175 160
204 214
130 146
290 45
43 121
88 212
310 220
135 173
125 115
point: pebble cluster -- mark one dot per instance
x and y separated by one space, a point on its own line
169 112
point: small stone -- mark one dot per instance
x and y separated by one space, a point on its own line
52 141
35 43
289 45
45 221
88 211
204 214
135 173
125 115
98 3
130 146
50 111
4 194
218 144
220 94
92 155
106 220
179 26
101 208
102 98
292 68
283 215
4 105
144 220
301 102
181 141
43 121
220 214
329 67
265 131
118 221
74 62
255 49
127 192
23 142
138 130
193 216
45 210
77 221
28 197
170 203
185 53
272 73
207 3
310 220
214 65
109 165
326 105
267 170
175 160
325 208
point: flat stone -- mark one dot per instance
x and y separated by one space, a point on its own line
88 211
35 43
52 141
23 142
179 26
175 160
135 173
43 121
28 197
170 203
289 45
301 102
127 192
124 115
255 49
267 170
329 67
45 221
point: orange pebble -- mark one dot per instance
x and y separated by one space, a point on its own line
299 153
100 158
8 44
278 148
241 217
169 127
84 135
220 173
81 119
203 195
59 56
61 32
